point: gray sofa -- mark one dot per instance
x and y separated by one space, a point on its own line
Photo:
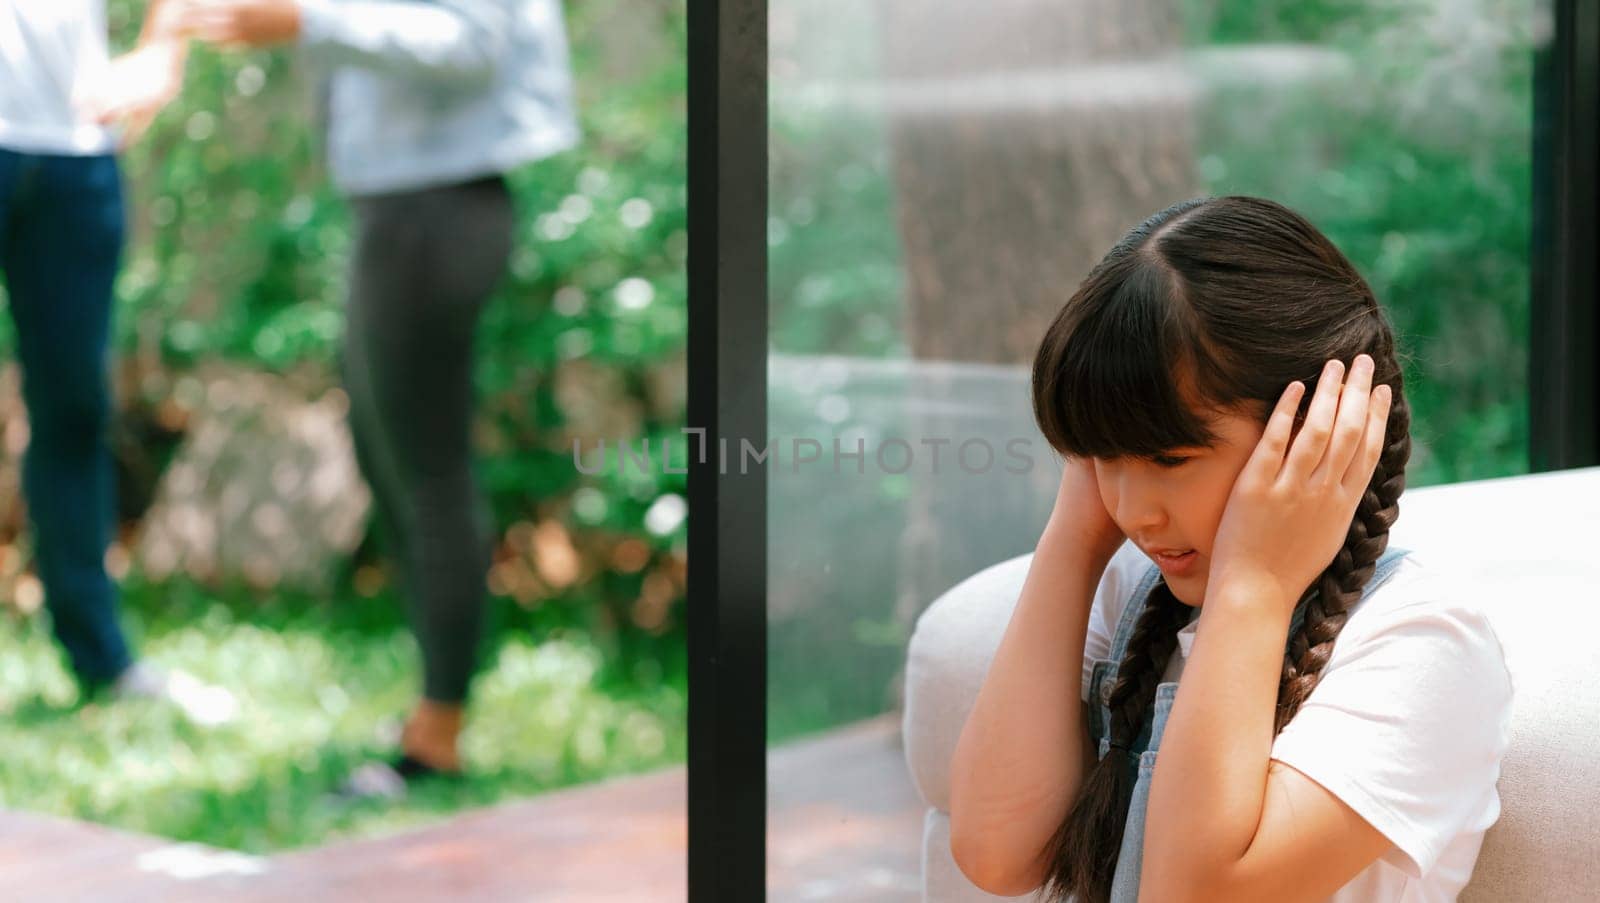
1530 545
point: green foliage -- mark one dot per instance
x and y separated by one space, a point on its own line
836 274
237 256
1221 21
1416 163
317 681
239 246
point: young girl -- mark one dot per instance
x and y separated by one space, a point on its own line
1226 392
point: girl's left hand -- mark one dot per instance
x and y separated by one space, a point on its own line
1288 516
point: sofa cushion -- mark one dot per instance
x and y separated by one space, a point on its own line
1520 544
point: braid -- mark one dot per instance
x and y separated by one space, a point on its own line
1083 852
1154 638
1327 602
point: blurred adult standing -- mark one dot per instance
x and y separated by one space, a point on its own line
61 238
425 106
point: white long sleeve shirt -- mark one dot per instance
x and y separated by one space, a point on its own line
428 93
51 51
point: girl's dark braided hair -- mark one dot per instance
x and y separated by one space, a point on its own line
1236 297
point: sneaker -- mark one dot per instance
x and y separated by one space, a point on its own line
200 702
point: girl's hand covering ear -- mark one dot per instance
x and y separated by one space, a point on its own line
1081 514
1290 509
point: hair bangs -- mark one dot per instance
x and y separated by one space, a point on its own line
1121 367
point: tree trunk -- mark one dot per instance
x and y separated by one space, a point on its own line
1025 140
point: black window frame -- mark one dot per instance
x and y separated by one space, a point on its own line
1564 326
727 398
727 385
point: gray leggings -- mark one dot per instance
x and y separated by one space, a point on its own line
425 263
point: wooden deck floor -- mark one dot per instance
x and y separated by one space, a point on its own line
844 824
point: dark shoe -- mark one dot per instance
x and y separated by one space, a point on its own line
390 780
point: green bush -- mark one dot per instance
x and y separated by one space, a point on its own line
237 254
1417 164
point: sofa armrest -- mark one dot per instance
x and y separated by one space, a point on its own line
951 648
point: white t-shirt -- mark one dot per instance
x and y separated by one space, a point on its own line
50 52
1407 725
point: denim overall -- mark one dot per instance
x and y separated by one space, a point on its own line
1125 882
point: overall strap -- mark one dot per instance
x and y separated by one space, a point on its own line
1131 611
1106 673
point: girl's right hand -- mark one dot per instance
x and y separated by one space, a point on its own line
1081 515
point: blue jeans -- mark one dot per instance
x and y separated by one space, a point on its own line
61 234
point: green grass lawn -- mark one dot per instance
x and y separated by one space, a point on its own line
321 684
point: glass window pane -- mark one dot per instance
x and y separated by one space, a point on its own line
941 182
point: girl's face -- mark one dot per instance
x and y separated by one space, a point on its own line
1175 502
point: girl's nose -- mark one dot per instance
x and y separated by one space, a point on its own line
1139 508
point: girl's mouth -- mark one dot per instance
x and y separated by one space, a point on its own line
1176 565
